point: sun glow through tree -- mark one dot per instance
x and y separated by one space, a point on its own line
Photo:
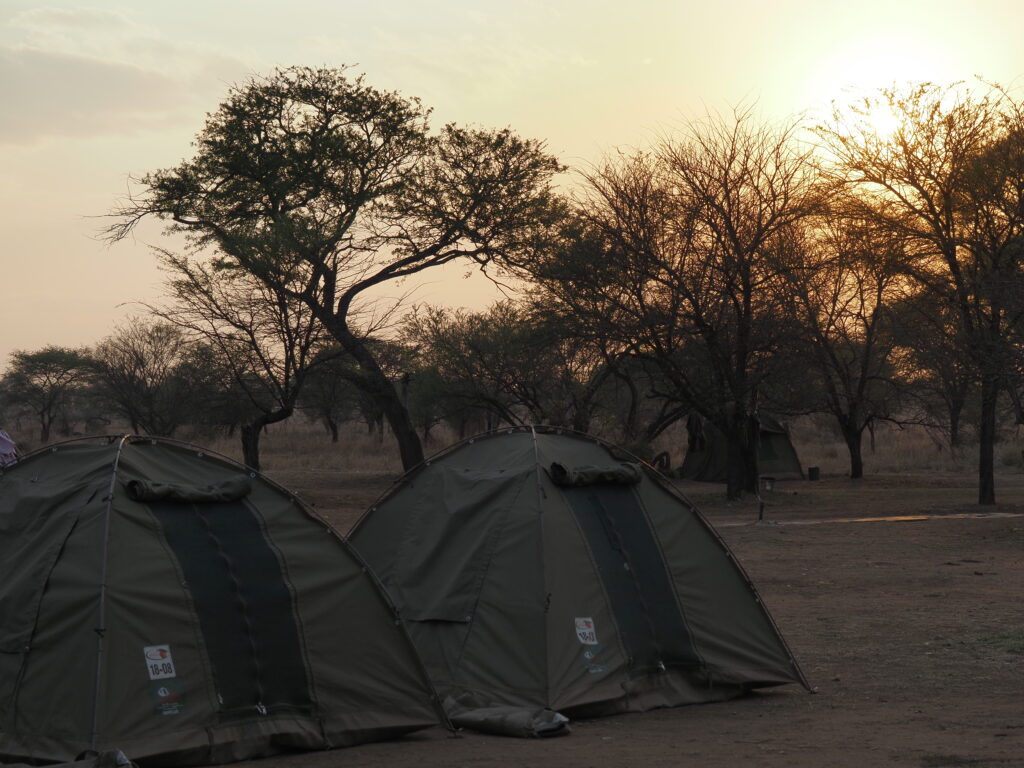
862 64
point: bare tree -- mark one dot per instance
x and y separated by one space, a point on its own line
264 339
949 180
328 393
935 375
151 374
842 297
681 257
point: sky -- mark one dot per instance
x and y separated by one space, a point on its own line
92 93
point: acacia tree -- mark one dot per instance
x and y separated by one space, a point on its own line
950 180
324 188
44 381
680 256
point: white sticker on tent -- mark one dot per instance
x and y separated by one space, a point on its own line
585 630
159 663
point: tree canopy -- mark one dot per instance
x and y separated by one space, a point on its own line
323 187
45 380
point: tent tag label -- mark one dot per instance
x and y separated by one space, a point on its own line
159 663
168 697
586 632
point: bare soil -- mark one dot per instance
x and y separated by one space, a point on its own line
912 632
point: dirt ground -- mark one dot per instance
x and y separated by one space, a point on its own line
912 632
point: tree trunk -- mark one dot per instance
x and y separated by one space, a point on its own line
251 435
375 383
753 454
987 440
251 444
854 439
389 407
581 419
954 424
742 472
45 422
332 426
632 426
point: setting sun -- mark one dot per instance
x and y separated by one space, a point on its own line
863 64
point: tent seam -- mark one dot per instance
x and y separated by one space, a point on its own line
102 608
543 566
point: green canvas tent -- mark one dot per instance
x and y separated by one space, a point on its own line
540 570
169 603
707 453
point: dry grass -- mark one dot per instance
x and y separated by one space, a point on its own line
892 451
292 446
895 450
298 446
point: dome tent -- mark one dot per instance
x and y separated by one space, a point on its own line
171 604
542 570
707 451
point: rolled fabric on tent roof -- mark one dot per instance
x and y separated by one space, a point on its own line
232 489
622 473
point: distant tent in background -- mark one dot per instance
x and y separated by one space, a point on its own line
168 603
8 450
541 571
707 453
